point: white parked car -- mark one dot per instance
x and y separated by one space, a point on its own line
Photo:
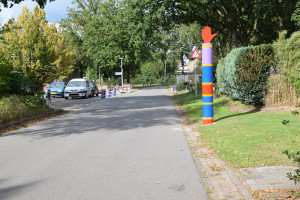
78 87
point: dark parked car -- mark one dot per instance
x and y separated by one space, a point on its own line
95 90
56 89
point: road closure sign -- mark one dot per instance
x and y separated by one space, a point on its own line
118 73
195 54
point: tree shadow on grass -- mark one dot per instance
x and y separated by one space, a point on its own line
190 98
225 103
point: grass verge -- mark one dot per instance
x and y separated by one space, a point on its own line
245 138
31 121
16 110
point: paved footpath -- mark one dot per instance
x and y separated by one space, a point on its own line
126 147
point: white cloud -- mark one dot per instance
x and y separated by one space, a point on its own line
15 11
55 10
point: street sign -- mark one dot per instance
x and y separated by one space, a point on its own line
118 73
195 54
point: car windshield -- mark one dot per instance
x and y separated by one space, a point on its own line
76 83
54 85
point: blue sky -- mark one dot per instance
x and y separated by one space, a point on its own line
55 11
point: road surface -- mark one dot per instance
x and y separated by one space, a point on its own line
129 147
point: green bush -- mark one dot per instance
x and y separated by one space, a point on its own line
243 73
14 108
112 82
148 80
182 85
296 158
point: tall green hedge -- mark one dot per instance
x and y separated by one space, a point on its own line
243 73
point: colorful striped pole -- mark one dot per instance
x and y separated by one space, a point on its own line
115 91
207 83
102 94
207 76
108 93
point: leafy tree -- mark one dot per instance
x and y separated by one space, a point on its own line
181 40
5 75
63 59
240 22
105 31
296 14
73 29
35 48
153 69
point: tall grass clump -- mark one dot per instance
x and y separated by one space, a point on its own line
15 108
284 82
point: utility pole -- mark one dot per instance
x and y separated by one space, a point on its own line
165 73
122 69
99 76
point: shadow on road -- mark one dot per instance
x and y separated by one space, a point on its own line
10 191
114 114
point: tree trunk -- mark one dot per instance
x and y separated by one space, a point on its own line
80 70
219 44
182 62
235 39
128 75
230 42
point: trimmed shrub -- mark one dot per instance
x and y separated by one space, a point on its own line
243 73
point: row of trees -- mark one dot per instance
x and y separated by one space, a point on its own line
33 52
145 33
100 32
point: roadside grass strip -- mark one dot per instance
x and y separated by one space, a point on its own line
245 139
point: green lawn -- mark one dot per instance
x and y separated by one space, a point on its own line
245 139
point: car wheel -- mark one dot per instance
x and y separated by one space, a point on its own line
97 94
53 97
92 93
85 96
66 98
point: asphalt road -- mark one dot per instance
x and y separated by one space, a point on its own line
127 147
72 104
